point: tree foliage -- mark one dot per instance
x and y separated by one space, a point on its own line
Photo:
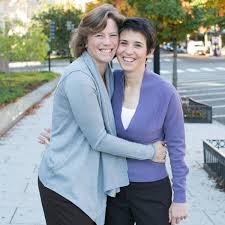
217 12
27 47
172 18
122 5
60 14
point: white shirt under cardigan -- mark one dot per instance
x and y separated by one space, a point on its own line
126 116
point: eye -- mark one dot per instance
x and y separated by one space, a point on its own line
114 35
123 43
137 45
98 35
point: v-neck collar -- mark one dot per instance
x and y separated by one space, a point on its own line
139 105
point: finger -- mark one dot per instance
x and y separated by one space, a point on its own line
173 220
184 217
47 130
45 135
178 220
170 215
41 138
40 141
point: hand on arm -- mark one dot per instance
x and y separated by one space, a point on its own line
82 95
160 148
44 137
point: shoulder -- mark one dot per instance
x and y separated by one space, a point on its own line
76 73
159 84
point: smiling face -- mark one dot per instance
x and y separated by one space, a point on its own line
102 46
132 51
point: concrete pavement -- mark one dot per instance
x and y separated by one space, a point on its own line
20 155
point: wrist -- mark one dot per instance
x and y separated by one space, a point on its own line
153 150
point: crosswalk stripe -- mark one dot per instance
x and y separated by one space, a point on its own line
166 60
219 116
200 90
218 106
190 88
204 94
202 80
193 70
207 69
212 99
220 68
202 83
165 72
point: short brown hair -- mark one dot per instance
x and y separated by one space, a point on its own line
93 22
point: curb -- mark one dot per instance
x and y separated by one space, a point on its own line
14 112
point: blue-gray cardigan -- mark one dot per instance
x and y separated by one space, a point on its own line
81 163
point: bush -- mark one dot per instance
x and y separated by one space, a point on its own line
19 84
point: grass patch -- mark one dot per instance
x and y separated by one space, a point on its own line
15 85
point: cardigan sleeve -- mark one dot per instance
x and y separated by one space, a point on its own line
82 96
175 139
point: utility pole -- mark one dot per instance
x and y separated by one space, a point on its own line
52 37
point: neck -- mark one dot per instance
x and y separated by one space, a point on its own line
134 79
101 68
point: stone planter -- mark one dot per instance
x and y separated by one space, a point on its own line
195 112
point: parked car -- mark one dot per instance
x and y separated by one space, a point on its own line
169 47
196 48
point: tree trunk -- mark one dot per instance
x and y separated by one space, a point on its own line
175 62
156 60
4 65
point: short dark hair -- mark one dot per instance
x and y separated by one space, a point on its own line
144 26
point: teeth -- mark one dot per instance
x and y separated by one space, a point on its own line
106 50
128 59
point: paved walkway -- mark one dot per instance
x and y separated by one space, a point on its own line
20 155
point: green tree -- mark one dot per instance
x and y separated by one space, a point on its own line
31 46
26 47
173 19
60 14
122 5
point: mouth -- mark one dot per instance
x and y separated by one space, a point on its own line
128 59
106 51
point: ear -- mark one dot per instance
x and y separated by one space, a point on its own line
151 52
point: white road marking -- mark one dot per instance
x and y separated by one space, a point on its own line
218 106
207 69
211 99
219 116
206 94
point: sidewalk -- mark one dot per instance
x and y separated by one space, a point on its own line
20 155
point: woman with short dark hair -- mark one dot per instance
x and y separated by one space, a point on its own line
147 108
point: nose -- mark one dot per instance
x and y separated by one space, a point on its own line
107 40
129 50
